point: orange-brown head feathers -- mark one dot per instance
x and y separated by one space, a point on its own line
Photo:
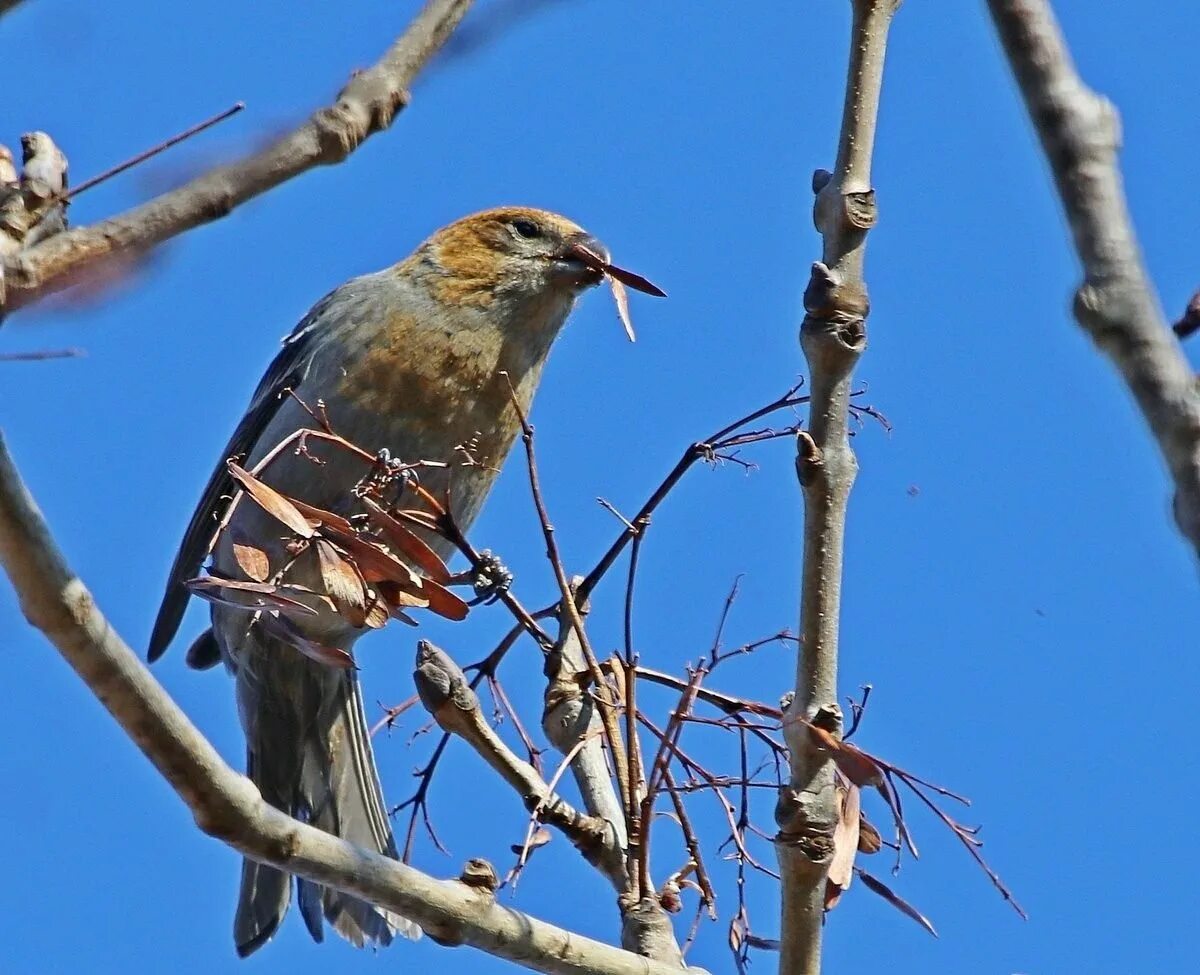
507 255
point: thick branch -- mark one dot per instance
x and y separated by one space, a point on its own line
367 105
227 806
833 337
571 723
455 706
1116 304
574 727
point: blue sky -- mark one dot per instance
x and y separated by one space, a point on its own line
1015 590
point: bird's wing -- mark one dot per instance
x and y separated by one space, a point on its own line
285 372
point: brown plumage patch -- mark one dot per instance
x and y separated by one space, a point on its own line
474 250
444 383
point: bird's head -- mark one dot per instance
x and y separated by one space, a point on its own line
509 256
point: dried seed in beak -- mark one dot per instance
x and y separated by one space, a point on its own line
618 280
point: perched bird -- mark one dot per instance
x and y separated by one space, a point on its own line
409 359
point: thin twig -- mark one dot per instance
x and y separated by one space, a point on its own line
418 801
965 836
636 825
42 354
535 815
693 767
708 897
700 450
570 600
714 655
153 151
391 714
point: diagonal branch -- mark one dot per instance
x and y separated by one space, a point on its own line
448 697
368 104
833 336
227 806
1117 304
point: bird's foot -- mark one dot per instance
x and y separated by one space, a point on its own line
385 473
490 578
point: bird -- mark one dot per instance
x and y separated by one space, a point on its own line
444 349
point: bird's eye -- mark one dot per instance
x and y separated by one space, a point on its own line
527 229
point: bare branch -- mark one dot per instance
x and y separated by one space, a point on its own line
570 602
701 450
1117 304
708 897
226 805
367 105
569 716
833 336
418 801
572 724
454 705
153 151
42 354
635 782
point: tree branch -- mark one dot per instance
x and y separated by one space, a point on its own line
571 723
569 716
569 605
367 105
833 337
448 697
1116 304
227 806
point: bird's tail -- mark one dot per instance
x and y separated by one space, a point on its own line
309 753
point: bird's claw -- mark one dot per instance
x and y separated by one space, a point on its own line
385 471
490 578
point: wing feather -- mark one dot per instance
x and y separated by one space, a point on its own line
285 372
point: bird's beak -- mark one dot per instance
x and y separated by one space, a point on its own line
592 264
584 259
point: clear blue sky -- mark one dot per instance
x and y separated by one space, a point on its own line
1027 614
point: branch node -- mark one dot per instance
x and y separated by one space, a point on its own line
805 826
480 874
809 460
859 209
844 303
829 718
646 929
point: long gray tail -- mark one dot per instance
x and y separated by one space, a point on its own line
309 752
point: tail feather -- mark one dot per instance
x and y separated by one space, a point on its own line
261 906
309 752
363 820
309 900
265 891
